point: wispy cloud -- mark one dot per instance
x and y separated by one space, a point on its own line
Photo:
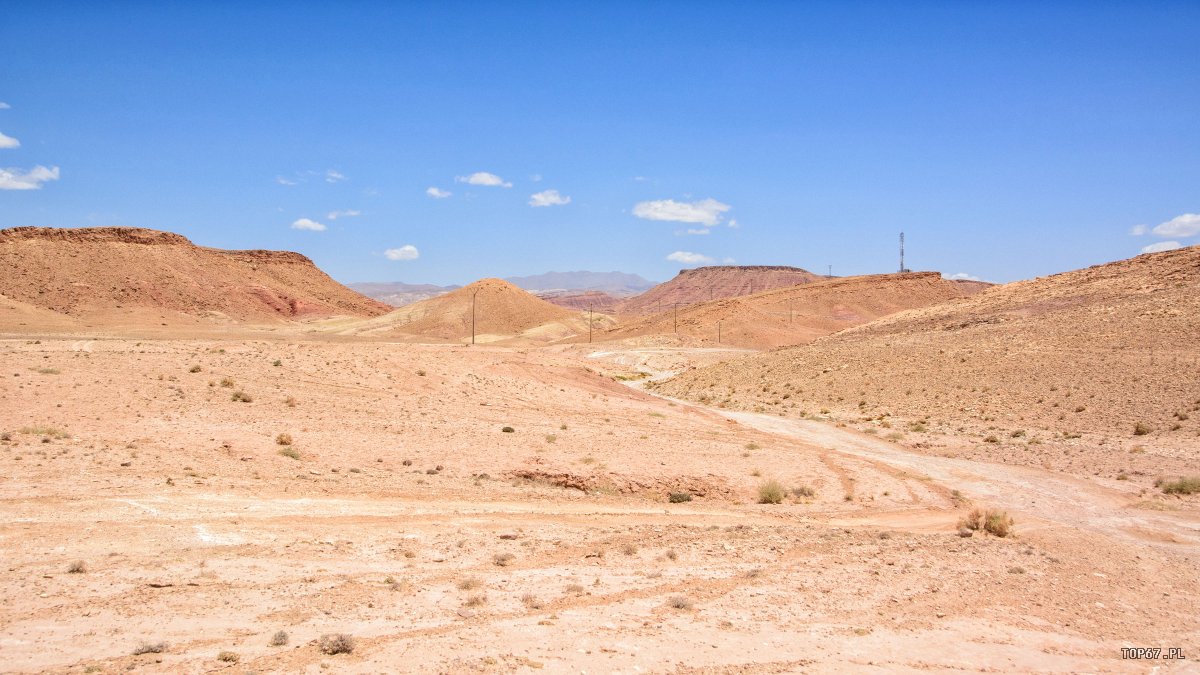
306 224
1139 230
285 181
688 258
4 106
548 198
406 252
8 142
483 178
697 230
345 213
332 176
1162 246
963 276
438 193
17 179
705 211
733 223
1184 225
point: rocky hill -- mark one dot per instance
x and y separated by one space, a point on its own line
102 271
713 283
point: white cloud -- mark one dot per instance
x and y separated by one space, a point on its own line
438 193
284 181
4 106
406 252
483 178
1139 230
15 179
332 176
705 211
688 258
963 276
728 261
548 198
346 213
697 230
536 178
733 223
306 224
1186 225
8 142
1162 246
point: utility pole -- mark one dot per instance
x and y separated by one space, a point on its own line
902 270
830 275
473 315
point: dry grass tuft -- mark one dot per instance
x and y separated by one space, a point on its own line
339 643
771 492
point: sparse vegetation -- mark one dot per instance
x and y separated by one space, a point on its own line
507 430
771 492
503 559
289 451
1141 429
283 439
229 657
240 397
679 497
629 549
994 522
150 648
680 602
77 567
531 601
804 491
227 382
1189 485
50 432
339 643
470 584
477 600
195 369
279 639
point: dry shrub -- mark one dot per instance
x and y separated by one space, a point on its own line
283 439
229 657
150 648
1184 486
279 639
771 492
680 602
992 521
339 643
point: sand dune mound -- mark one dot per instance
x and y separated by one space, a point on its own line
1110 352
117 270
796 314
502 311
711 283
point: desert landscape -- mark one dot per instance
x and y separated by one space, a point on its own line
672 338
227 461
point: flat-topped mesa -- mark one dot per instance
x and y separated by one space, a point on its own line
118 270
121 235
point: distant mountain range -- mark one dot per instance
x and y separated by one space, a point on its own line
617 284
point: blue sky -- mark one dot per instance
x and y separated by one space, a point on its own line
1007 140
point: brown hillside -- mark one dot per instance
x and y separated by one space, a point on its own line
597 301
106 270
1097 351
502 311
703 284
797 314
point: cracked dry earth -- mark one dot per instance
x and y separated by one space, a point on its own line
401 514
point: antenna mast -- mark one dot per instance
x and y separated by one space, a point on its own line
902 253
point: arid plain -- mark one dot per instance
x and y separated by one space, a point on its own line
192 481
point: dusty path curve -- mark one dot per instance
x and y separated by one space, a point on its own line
1041 495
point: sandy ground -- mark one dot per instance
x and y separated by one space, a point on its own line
410 520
